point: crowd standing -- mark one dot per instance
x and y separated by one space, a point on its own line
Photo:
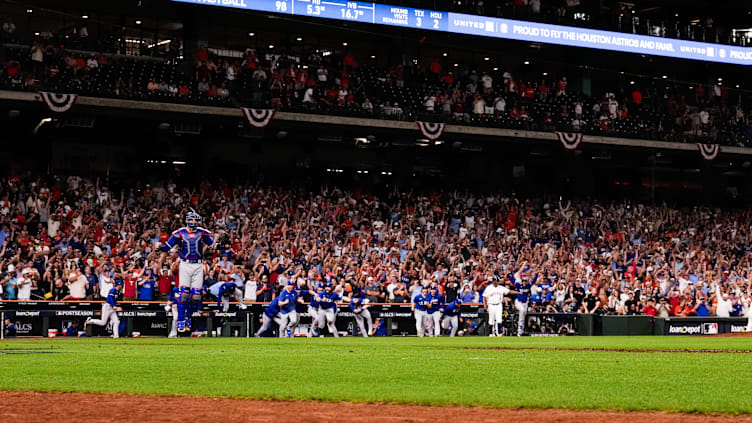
72 237
345 83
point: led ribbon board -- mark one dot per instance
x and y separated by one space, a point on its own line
460 23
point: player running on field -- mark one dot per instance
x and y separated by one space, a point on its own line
452 316
109 310
172 307
436 307
315 310
328 309
420 310
359 307
523 294
271 314
191 241
288 299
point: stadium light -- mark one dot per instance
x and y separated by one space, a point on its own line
178 162
300 39
720 79
444 54
29 11
138 22
84 16
271 45
527 62
545 73
664 77
251 34
161 43
36 33
373 56
486 59
496 69
344 44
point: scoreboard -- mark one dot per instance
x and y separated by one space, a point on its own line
460 23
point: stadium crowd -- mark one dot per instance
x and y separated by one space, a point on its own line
434 89
71 237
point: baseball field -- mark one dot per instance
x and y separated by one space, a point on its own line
476 378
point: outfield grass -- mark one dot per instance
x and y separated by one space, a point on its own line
412 370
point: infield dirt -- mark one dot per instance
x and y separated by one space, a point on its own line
47 407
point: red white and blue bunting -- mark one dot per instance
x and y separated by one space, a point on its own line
258 118
569 140
431 130
58 103
709 151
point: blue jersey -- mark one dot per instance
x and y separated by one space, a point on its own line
112 297
436 302
273 308
356 302
191 243
452 309
524 291
292 297
174 295
328 301
314 301
226 288
421 302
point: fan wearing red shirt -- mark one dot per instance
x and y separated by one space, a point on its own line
131 284
165 282
649 310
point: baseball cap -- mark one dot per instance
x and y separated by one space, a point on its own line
118 282
291 282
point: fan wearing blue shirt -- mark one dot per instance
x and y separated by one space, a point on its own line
146 286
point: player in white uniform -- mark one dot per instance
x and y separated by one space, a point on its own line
493 302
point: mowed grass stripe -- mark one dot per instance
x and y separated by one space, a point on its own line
410 370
